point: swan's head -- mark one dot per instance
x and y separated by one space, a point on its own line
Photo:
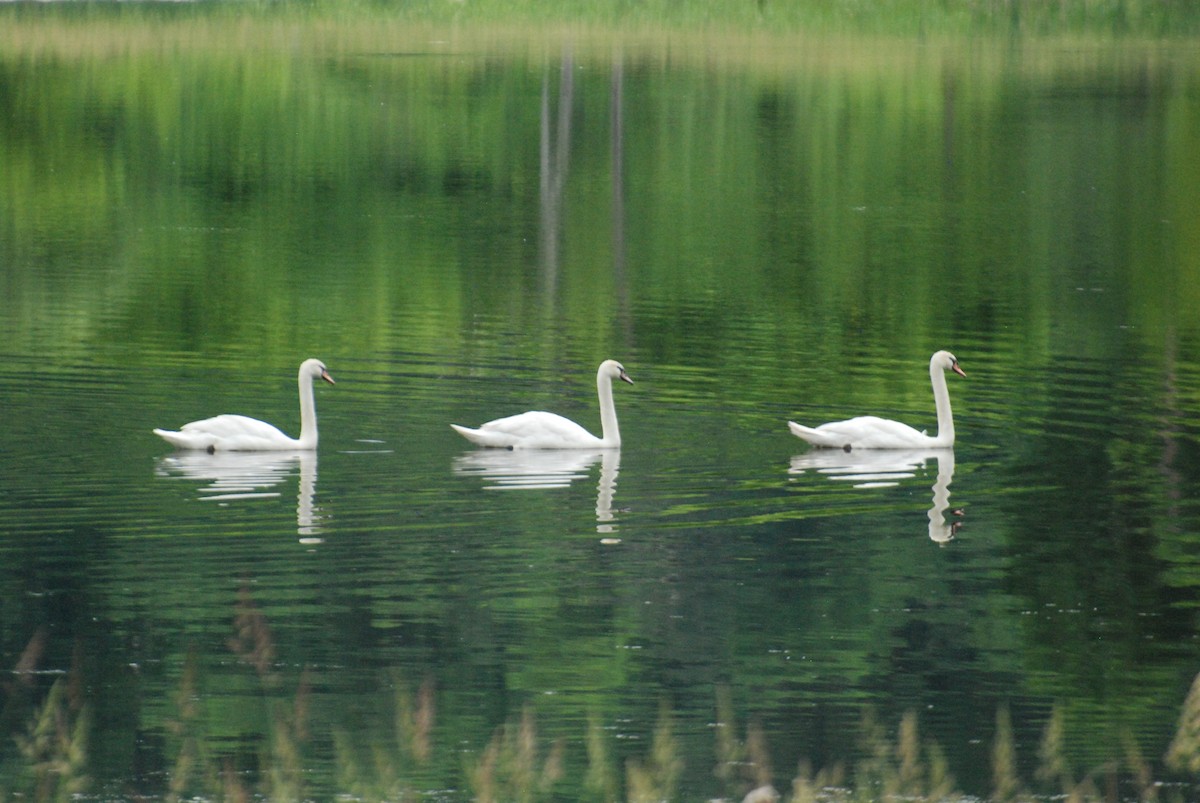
947 362
316 369
614 370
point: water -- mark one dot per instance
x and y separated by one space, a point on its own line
464 235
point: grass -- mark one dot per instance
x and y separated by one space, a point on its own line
892 17
517 764
703 25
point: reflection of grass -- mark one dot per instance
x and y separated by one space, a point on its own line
907 769
517 765
1184 752
55 745
655 777
723 32
899 17
739 763
379 770
511 770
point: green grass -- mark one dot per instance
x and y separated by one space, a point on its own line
890 17
518 764
53 740
324 23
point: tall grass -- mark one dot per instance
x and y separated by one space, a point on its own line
517 764
893 17
336 24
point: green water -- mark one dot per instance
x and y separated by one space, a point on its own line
463 228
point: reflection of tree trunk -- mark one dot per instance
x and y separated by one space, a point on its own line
949 93
554 156
616 113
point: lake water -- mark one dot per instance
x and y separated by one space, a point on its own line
759 231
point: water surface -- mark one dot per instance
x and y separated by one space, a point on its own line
462 234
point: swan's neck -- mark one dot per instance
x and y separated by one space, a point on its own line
941 399
610 433
308 413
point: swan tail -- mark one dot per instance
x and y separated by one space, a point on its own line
473 435
179 440
485 436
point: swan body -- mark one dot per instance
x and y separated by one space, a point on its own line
540 430
239 433
872 432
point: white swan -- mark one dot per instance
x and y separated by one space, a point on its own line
871 432
238 433
538 430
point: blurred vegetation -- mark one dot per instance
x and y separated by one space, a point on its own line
173 174
894 17
146 143
282 759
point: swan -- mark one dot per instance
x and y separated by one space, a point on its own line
871 432
538 430
238 433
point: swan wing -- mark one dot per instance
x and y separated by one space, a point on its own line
228 433
816 436
532 430
864 432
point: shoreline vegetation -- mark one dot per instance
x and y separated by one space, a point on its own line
829 42
47 726
699 29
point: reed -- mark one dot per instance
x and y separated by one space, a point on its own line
388 772
192 767
897 16
684 28
55 747
601 782
510 767
907 768
518 764
742 765
1184 753
1006 784
656 776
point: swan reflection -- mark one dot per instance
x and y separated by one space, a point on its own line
235 476
877 468
524 469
